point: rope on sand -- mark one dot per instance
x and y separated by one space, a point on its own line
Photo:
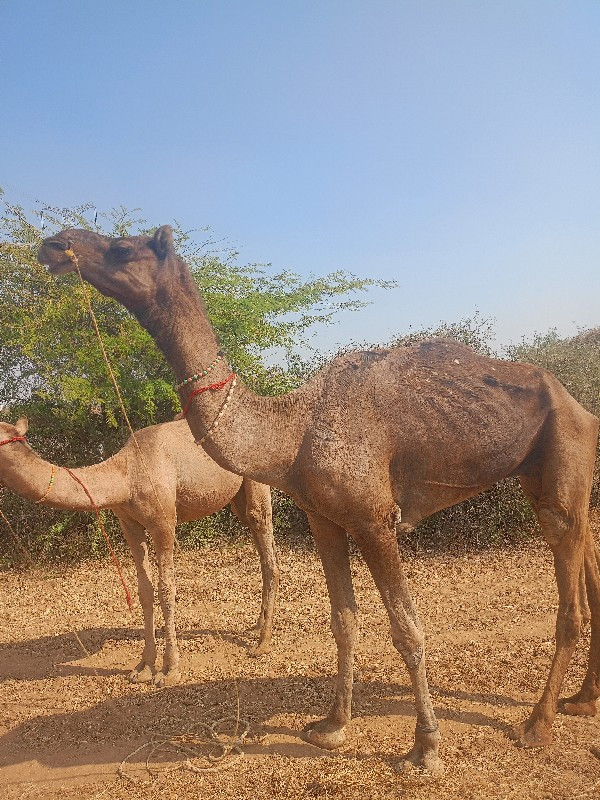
226 750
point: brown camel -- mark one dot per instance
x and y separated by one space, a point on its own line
378 438
189 485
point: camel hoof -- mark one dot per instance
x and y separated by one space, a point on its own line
260 649
323 734
169 678
430 762
578 708
424 753
532 734
434 765
143 675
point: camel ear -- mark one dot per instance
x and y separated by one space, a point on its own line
162 242
21 425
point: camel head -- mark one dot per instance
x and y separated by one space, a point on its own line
129 269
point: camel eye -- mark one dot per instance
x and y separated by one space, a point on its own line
121 252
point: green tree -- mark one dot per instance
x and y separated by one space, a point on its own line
476 332
52 364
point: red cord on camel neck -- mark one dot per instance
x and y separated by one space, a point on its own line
14 439
95 507
219 385
111 551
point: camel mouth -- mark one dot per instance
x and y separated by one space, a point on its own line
54 253
60 268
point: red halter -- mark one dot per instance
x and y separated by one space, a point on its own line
14 439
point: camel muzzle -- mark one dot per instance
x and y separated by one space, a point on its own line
51 252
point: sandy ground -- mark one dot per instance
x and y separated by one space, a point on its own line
69 717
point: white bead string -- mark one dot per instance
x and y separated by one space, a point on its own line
219 415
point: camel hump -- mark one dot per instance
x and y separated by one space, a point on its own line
440 349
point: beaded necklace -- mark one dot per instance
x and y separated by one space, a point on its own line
50 485
221 412
200 374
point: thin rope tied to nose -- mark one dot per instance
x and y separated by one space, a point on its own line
70 253
17 538
72 256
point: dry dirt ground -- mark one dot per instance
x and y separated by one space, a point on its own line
69 717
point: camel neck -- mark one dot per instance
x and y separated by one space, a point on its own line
24 472
178 323
256 436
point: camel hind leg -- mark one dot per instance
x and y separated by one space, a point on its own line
378 545
252 505
566 542
583 703
559 488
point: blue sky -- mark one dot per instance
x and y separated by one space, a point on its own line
451 145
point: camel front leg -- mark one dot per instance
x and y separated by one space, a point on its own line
252 504
135 536
163 544
332 545
379 547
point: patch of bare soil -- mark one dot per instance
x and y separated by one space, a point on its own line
69 717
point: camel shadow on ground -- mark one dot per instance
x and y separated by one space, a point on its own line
105 733
50 656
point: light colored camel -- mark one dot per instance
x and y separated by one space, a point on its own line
189 485
377 438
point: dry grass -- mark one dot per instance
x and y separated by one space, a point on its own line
69 716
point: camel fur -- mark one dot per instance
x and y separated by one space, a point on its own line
374 437
158 479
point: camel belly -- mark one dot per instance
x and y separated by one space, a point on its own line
203 487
